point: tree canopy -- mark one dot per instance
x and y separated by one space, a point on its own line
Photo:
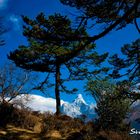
47 55
44 52
54 42
113 15
118 13
113 101
129 63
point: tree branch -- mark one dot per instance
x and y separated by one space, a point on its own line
136 25
96 37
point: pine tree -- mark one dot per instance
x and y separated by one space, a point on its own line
116 13
109 15
129 63
44 54
112 100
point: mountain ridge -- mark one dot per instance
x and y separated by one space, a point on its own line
79 109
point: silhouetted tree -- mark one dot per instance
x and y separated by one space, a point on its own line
52 56
129 63
113 15
112 100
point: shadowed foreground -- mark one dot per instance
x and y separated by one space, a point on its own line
23 124
14 133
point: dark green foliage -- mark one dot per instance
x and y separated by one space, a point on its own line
111 112
109 15
130 63
112 103
49 51
87 64
107 12
43 53
99 86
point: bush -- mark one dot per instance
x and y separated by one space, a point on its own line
6 110
64 124
18 117
111 113
112 100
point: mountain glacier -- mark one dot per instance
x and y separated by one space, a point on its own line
134 116
76 109
36 102
79 109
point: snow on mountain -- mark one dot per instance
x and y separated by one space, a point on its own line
136 88
37 103
79 109
134 114
135 111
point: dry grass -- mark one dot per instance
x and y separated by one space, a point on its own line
27 125
63 124
17 117
14 133
111 135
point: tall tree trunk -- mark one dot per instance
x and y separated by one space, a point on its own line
57 93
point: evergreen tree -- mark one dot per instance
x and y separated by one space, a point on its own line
44 54
112 102
130 63
112 15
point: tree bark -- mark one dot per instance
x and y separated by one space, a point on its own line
57 92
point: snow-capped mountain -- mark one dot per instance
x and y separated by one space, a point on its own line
79 109
36 102
134 114
136 88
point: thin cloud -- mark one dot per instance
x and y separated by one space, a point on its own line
15 22
3 4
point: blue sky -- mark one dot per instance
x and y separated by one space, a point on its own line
13 9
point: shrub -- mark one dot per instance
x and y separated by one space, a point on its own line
113 102
18 117
64 124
